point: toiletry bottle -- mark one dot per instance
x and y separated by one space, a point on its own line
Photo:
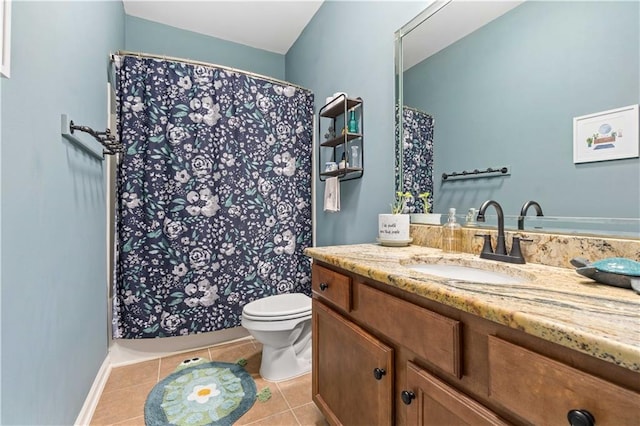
355 156
471 217
451 234
343 163
353 122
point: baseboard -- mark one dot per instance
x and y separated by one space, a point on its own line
91 402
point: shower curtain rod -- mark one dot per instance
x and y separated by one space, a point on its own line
206 64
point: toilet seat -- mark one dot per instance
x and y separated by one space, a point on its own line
278 308
276 318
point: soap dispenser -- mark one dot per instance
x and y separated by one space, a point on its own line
451 234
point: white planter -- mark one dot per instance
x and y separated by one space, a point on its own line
393 227
426 218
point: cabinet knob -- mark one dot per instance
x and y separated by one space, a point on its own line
407 396
324 286
378 373
580 418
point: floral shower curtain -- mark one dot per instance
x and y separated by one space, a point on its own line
214 194
417 156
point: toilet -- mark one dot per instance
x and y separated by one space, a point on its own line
282 323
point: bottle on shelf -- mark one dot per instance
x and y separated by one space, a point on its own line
355 156
451 234
353 122
343 163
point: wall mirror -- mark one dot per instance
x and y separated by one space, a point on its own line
502 82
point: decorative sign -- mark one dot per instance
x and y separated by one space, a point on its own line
393 227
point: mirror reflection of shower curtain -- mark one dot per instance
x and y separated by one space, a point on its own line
417 155
214 195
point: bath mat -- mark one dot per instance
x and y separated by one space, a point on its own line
201 393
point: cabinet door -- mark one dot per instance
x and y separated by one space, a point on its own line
544 391
352 371
433 402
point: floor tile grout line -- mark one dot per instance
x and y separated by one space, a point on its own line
288 403
283 395
296 417
269 416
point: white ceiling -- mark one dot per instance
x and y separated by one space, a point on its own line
264 24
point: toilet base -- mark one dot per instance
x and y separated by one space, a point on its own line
280 364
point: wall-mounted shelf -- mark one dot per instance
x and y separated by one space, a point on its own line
340 140
335 115
476 173
341 172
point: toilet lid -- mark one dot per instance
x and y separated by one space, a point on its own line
281 306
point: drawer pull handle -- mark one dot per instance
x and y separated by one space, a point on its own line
580 418
407 396
324 286
378 373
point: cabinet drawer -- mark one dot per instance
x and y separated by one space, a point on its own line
543 391
331 286
431 336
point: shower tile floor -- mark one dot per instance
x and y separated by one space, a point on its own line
122 400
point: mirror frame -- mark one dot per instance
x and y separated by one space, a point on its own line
431 10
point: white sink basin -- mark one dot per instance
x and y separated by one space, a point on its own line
466 273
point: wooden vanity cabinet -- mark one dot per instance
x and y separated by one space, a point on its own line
443 366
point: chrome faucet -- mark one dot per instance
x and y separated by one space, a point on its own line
523 212
500 253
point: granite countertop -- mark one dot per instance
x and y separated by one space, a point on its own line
555 304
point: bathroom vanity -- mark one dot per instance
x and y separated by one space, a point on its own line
392 345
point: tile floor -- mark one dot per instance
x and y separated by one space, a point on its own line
122 400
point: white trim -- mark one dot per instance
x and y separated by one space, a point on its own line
131 351
91 402
5 38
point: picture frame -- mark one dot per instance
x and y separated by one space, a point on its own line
606 135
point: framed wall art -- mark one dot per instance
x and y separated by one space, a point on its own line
606 135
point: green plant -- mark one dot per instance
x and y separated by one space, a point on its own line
426 205
400 202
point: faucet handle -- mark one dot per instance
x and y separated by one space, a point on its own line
515 247
486 248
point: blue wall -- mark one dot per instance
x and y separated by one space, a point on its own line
349 47
493 105
150 37
53 246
